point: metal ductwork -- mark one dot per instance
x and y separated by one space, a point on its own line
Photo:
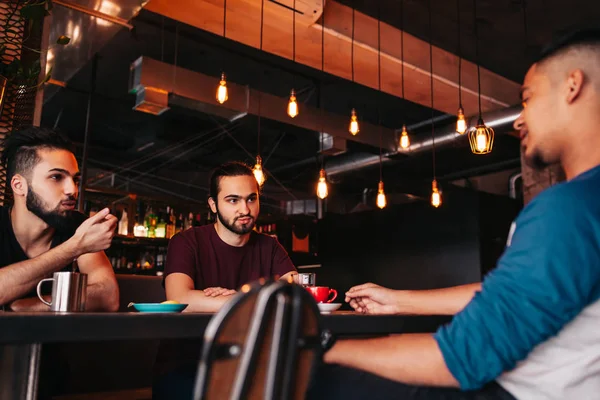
157 85
500 120
90 24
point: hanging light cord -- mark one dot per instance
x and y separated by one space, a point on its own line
459 55
262 10
224 16
294 33
431 85
477 54
352 48
294 42
379 84
321 87
402 42
525 30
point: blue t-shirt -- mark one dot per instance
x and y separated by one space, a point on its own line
549 272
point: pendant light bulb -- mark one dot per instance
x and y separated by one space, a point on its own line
258 171
322 190
381 200
292 108
436 195
404 139
461 122
481 138
222 94
354 128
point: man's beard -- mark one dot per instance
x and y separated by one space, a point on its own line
61 221
244 229
536 161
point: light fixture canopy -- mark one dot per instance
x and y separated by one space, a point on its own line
292 108
322 189
481 138
222 92
354 127
436 195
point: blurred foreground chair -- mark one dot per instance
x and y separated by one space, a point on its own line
263 344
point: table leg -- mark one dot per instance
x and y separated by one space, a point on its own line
19 371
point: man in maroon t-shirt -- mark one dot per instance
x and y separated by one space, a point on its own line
206 264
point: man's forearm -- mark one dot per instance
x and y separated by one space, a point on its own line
198 302
102 297
411 358
30 304
16 280
447 301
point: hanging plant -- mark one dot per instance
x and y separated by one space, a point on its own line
29 14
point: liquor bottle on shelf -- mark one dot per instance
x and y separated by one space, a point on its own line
188 223
170 223
197 221
123 222
161 227
179 224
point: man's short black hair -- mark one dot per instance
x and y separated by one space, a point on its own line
588 37
233 168
20 149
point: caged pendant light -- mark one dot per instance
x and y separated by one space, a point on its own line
481 137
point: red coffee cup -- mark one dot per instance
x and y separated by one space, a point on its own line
322 293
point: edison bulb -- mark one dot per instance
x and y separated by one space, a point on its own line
436 196
322 190
222 94
258 171
461 123
404 139
381 200
292 109
354 128
481 140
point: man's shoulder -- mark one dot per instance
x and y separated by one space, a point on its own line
264 240
567 198
195 234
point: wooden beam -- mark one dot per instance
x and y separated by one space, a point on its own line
243 25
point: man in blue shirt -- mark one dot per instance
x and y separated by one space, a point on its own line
531 330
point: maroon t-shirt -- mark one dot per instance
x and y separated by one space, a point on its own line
210 262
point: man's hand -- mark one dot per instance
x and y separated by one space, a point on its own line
96 233
373 299
218 291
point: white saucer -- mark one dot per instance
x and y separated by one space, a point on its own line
326 308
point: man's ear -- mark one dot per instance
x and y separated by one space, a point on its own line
19 185
212 205
575 82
